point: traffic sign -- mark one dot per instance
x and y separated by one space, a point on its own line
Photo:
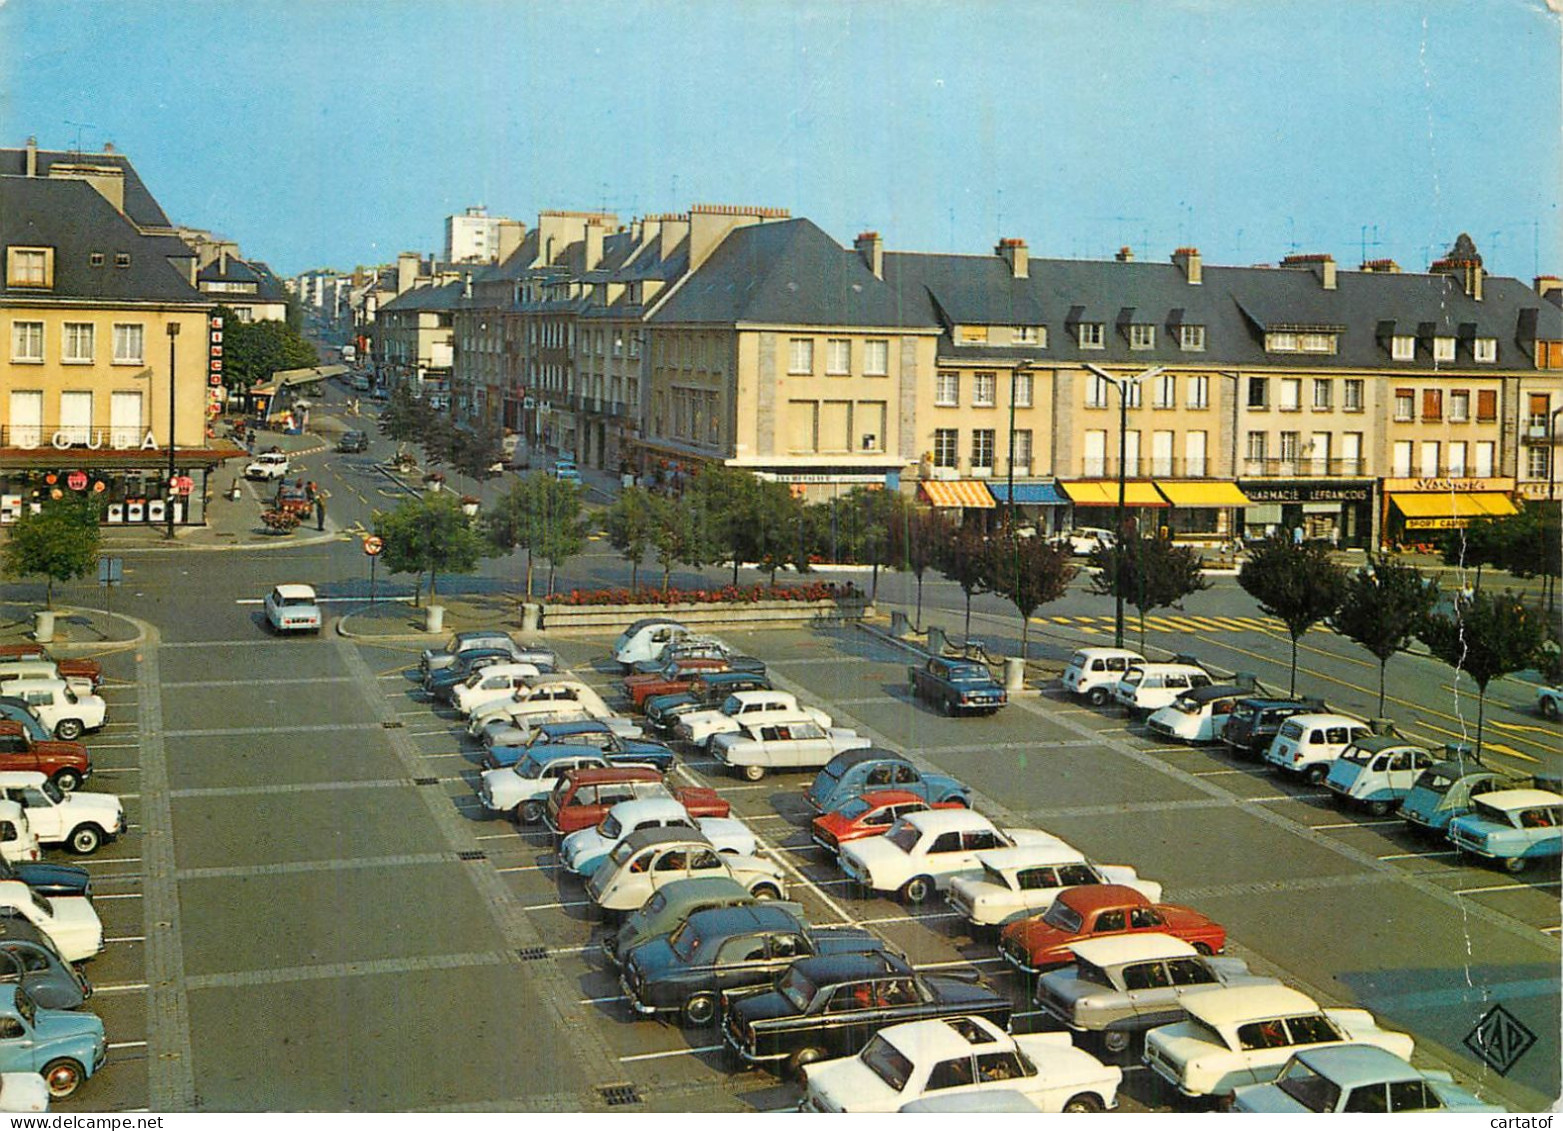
373 545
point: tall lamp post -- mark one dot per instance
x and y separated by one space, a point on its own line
1123 385
173 472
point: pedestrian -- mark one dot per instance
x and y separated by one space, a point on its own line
1297 535
320 513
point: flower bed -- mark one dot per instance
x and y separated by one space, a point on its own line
736 594
788 604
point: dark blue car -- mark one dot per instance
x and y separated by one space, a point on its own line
957 687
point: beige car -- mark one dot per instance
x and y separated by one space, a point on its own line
543 695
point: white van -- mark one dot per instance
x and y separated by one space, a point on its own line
57 706
1150 687
645 639
1094 672
1307 745
42 669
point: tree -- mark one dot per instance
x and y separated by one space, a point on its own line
1385 605
475 450
768 530
254 351
513 523
631 525
430 534
1152 572
59 543
1486 636
727 502
918 536
678 537
868 514
1030 572
1297 582
966 562
439 437
561 534
402 418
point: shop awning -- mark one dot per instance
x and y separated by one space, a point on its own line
958 493
1446 510
1030 494
1203 494
286 377
1104 493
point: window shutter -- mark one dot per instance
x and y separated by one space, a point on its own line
1487 404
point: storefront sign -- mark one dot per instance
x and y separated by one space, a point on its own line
95 441
1446 486
812 477
1306 492
1438 523
1533 490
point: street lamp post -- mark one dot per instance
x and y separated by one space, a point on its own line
173 473
1123 385
1014 380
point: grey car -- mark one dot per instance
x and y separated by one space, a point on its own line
28 958
488 638
1122 985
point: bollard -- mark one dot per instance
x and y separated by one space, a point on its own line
1014 673
935 640
531 617
899 625
434 618
43 627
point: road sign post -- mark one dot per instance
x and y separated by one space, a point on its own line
111 572
372 546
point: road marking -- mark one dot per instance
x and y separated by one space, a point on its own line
120 988
558 906
126 938
1418 855
242 732
258 682
1355 825
530 868
127 1044
600 1000
1221 773
1506 887
96 746
670 1052
909 918
301 866
98 898
307 787
335 970
1549 731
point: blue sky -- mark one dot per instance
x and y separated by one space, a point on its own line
321 133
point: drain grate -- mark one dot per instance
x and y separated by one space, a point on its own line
393 725
532 953
618 1095
425 781
472 854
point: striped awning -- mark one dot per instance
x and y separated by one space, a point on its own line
1205 493
958 493
1104 493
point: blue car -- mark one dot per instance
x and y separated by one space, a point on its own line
856 772
1447 790
1376 772
1517 827
566 472
614 749
1356 1078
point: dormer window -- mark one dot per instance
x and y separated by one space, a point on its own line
95 259
29 267
1485 349
1090 335
1292 341
1142 336
1402 347
122 259
1030 336
1191 337
1443 349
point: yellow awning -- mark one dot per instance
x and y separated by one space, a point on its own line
1104 493
1446 510
1204 494
1496 504
958 493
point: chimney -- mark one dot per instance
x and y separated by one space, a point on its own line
709 225
466 285
1381 267
1550 287
1464 262
1125 254
1321 264
32 157
872 249
511 235
591 246
1013 251
1189 262
406 271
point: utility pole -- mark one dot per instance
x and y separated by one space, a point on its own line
1123 385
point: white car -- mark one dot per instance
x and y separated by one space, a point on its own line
805 745
653 858
1549 701
521 791
292 608
924 851
1306 745
267 465
1149 687
645 640
1093 673
18 842
1197 716
79 820
501 730
541 696
743 707
584 850
1246 1034
961 1056
69 921
58 707
1083 540
490 685
1014 882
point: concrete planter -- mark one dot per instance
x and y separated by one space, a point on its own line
555 618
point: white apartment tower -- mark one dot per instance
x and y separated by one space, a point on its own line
472 237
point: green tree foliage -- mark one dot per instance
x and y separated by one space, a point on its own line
515 521
439 436
1298 583
1030 572
402 418
1528 543
561 532
254 351
60 543
476 450
867 516
965 560
769 532
1385 605
1152 572
1487 636
631 525
429 535
917 539
679 537
745 518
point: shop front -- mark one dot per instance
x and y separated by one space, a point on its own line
1418 511
956 495
1095 501
1041 505
1331 510
131 486
1203 510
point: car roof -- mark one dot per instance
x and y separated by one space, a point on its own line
1375 743
576 726
947 820
1459 770
1510 799
1103 653
291 592
598 774
1092 896
646 622
641 808
645 838
698 889
1237 1004
30 684
1168 668
1032 855
754 695
844 761
1324 718
826 969
716 679
938 1039
1262 702
879 798
751 917
22 777
550 678
1353 1065
1214 691
1131 948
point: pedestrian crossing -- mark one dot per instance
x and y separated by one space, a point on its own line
1180 623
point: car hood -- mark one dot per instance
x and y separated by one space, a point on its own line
93 803
766 1006
850 1085
654 958
1267 1098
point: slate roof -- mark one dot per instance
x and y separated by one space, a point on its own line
444 297
73 217
140 205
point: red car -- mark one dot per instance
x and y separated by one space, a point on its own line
65 762
870 814
1034 945
583 797
82 669
670 680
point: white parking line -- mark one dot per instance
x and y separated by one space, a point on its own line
530 868
600 1000
499 836
1505 887
127 895
670 1052
1418 855
127 1044
1552 930
127 938
909 918
557 906
958 962
120 988
1214 773
115 860
96 746
1352 825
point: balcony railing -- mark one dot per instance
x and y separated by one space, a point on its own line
1305 466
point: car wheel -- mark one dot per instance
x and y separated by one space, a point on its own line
1203 948
801 1059
1380 808
63 1076
1083 1103
67 780
1117 1041
68 730
918 889
529 812
1549 708
1514 865
1098 697
948 706
751 773
766 892
85 839
699 1011
1317 774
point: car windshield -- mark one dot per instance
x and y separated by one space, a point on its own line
52 791
1308 1088
853 809
1064 917
732 705
530 768
1186 706
610 827
686 941
1434 782
903 836
1358 755
797 989
887 1062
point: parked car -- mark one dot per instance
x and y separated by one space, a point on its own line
746 707
502 730
1015 882
442 684
81 821
1255 721
961 1057
490 683
725 949
1197 716
267 465
956 687
1446 790
17 711
594 733
856 772
690 647
583 798
35 668
1307 744
44 878
521 791
679 675
830 1006
1078 914
65 713
804 745
567 472
1084 540
18 842
28 959
1549 701
645 639
353 440
1149 687
1093 673
646 860
671 904
870 814
923 852
1356 1078
1517 827
69 667
63 1047
1119 987
708 690
1246 1034
585 850
65 763
1376 772
541 701
434 660
292 608
70 923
